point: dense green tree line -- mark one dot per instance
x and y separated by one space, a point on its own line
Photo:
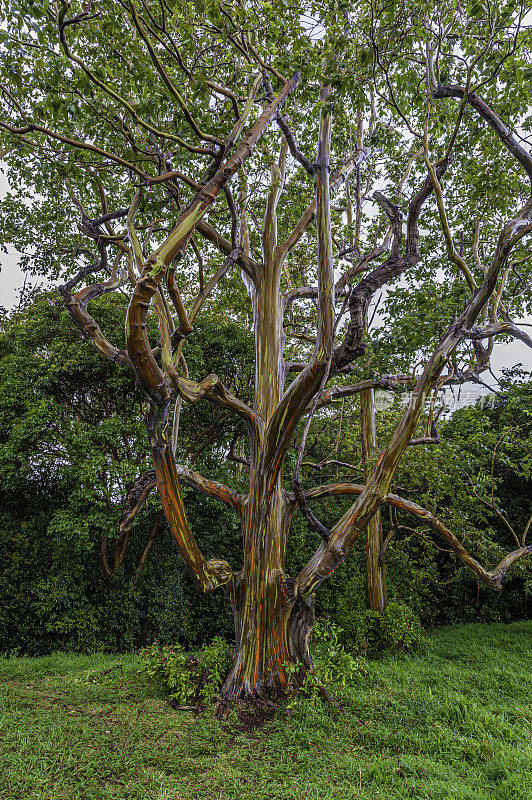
72 441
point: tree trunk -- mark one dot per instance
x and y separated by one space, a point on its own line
272 631
272 628
375 569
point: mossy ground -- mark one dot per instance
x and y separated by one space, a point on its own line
454 721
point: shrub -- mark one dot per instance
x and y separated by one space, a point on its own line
367 633
399 628
189 679
332 663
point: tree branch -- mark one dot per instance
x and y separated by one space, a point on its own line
244 261
136 498
206 137
353 345
213 489
296 399
148 546
336 180
493 578
507 327
392 383
63 23
355 521
208 574
77 303
503 132
146 368
212 389
291 142
74 143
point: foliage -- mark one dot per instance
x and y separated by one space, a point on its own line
190 679
367 632
339 651
52 588
65 472
483 448
478 480
333 662
398 628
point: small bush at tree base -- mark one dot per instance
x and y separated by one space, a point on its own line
332 663
338 654
189 679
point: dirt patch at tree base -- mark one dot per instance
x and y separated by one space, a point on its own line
252 716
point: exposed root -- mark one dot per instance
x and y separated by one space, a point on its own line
260 704
223 708
178 707
324 694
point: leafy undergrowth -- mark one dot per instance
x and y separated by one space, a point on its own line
452 722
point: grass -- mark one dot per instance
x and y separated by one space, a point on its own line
452 722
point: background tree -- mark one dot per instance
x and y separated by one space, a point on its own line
482 449
74 574
140 111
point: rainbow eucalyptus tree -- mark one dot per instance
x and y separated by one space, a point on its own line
166 149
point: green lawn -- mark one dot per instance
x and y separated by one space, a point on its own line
452 722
